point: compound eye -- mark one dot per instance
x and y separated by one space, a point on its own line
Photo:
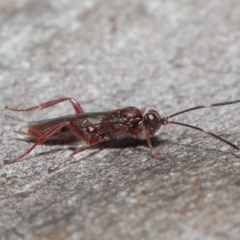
152 121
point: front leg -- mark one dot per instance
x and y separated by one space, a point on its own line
150 145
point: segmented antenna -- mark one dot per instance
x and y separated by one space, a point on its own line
165 120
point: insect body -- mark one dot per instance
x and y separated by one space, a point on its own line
97 127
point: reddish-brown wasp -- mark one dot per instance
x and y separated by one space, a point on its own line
97 127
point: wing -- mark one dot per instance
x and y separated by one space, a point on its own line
83 121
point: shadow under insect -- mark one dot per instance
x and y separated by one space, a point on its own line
74 142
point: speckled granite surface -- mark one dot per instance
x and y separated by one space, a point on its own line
165 55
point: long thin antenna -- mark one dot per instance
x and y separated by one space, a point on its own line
202 106
205 131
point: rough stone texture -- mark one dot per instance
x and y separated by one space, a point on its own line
165 55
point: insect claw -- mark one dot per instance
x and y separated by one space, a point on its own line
7 162
55 168
157 157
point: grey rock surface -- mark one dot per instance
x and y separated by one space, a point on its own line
163 55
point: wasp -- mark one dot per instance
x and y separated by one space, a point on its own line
95 127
